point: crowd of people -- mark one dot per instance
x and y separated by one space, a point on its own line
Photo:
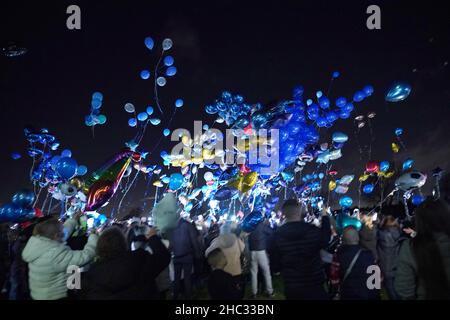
51 259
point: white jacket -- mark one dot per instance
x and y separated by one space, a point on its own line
232 247
48 261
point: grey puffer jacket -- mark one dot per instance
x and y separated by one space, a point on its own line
389 241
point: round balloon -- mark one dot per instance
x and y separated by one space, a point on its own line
66 167
24 198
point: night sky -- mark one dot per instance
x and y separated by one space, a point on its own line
255 49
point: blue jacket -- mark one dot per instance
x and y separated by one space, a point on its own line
184 242
258 238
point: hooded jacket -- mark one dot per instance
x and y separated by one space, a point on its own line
48 261
296 253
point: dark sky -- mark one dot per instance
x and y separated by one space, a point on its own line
258 50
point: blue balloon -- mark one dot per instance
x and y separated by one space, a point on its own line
340 102
346 202
132 122
368 90
96 104
344 115
15 156
359 96
168 61
343 221
24 198
166 132
298 91
251 221
165 179
398 132
332 116
407 164
398 91
339 137
163 154
324 102
66 153
179 103
143 116
368 188
348 107
149 110
336 74
171 71
176 181
155 121
97 96
145 74
417 199
66 168
225 193
149 43
81 170
321 122
384 166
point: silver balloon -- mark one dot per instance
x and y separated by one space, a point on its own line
167 44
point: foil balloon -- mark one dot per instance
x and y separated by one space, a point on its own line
417 199
24 198
66 168
343 221
346 202
225 193
372 167
368 188
395 147
411 180
176 181
249 181
407 164
251 221
347 179
103 183
384 166
398 91
363 177
331 185
341 189
339 137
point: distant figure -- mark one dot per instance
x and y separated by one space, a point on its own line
121 274
296 252
221 285
423 270
48 259
258 244
349 268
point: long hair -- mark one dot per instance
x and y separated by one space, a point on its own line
431 217
111 244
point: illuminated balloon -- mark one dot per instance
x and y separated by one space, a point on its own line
24 198
331 185
149 43
158 184
179 103
15 156
398 91
96 104
97 96
143 116
167 44
341 102
168 61
129 107
384 166
81 170
176 181
417 199
346 202
132 122
343 221
359 96
340 137
166 132
411 180
161 81
335 74
368 188
407 164
66 153
371 115
398 132
101 119
372 167
225 193
341 189
66 168
395 147
145 74
155 121
251 221
171 71
368 90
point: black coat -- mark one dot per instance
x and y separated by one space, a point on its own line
388 247
355 285
296 253
128 277
222 286
184 242
258 238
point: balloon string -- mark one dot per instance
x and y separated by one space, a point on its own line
156 83
156 197
49 206
127 189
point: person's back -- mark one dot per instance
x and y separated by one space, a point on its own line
221 285
257 240
48 259
184 242
123 275
297 253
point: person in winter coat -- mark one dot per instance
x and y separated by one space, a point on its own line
48 259
257 241
221 285
185 248
296 253
232 247
349 268
423 267
121 274
388 247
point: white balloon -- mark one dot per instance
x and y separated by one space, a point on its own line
167 44
208 176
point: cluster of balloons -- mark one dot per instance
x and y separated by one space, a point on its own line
20 209
95 117
170 71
